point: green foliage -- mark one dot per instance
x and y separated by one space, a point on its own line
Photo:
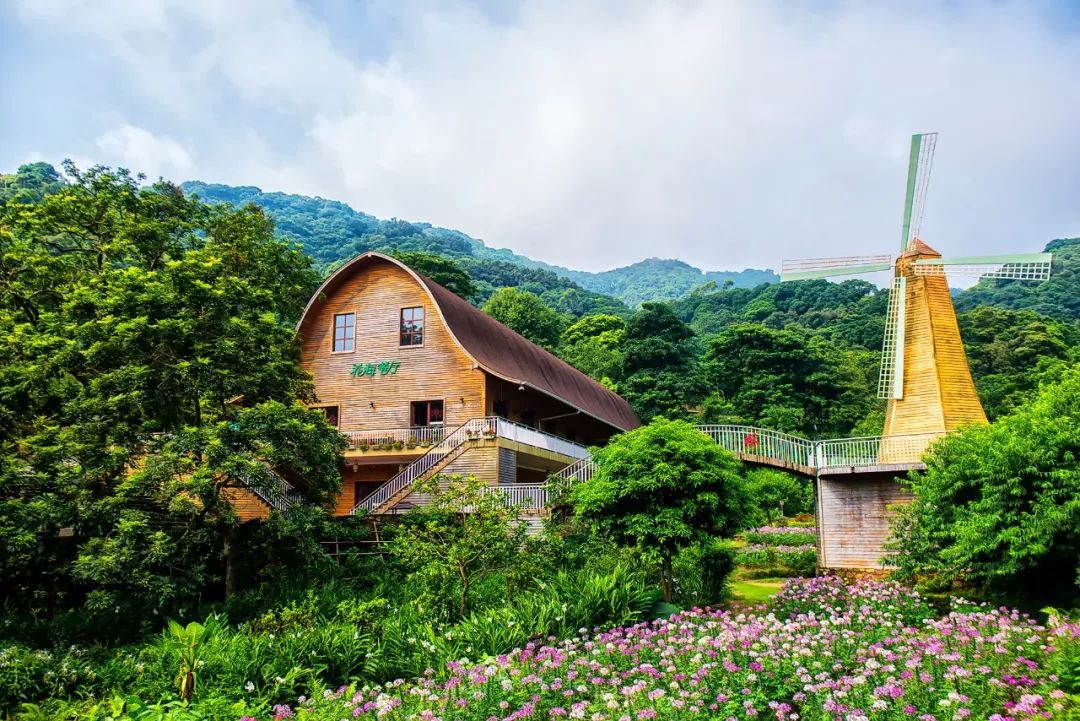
444 271
450 543
135 318
660 374
1010 352
999 505
702 573
775 493
592 345
788 380
1057 298
528 315
661 488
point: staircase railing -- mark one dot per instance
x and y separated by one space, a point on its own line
477 428
271 488
525 495
582 470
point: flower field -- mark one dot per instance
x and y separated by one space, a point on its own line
784 547
819 650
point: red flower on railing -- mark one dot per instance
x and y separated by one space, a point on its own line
750 441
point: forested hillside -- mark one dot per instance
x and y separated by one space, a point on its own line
331 231
798 357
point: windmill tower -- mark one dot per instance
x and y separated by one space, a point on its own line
924 372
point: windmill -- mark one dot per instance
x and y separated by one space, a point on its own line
924 372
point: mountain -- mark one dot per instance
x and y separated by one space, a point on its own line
1058 297
331 232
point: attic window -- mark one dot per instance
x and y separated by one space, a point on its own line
344 332
412 326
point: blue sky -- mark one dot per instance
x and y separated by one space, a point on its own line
727 134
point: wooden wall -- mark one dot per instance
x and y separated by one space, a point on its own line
853 520
939 394
438 369
247 505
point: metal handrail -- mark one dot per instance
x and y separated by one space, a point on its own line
470 430
511 430
525 495
752 441
415 435
273 489
582 470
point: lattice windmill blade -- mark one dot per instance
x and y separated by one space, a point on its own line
920 160
1023 266
810 268
891 377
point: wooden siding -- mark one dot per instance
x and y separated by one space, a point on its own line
357 482
853 521
939 394
247 505
438 369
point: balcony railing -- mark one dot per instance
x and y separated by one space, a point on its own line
538 439
388 438
523 495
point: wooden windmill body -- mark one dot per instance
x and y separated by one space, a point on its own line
924 372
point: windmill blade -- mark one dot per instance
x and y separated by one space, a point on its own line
810 268
1024 266
891 378
920 160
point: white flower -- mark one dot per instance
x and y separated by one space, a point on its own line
249 686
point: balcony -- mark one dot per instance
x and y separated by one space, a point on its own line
393 441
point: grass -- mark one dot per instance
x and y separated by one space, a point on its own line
755 591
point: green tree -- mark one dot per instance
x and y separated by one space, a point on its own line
663 487
141 322
999 505
463 534
444 271
592 345
660 374
789 380
526 314
1011 351
774 493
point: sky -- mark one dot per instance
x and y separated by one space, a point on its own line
725 133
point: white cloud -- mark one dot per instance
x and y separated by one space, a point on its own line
141 151
727 134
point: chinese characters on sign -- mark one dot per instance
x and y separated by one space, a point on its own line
384 368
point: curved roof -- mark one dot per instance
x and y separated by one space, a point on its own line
499 350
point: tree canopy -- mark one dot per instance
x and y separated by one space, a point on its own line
142 322
999 505
528 315
663 487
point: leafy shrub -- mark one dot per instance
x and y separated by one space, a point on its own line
800 559
781 536
702 572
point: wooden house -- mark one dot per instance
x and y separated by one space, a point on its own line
423 383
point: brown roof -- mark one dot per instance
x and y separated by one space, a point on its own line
503 353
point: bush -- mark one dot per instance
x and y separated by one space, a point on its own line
770 490
702 573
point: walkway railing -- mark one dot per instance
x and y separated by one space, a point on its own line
872 450
414 436
750 441
477 428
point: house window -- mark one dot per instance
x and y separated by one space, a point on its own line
427 413
412 326
331 413
344 332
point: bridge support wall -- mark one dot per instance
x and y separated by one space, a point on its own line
853 519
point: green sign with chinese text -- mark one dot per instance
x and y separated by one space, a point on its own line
383 368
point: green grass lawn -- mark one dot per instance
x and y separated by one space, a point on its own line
756 590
